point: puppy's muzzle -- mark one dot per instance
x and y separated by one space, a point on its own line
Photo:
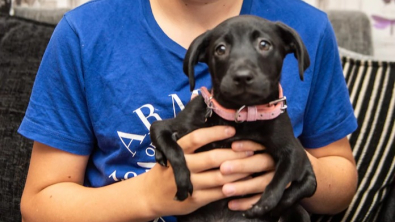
243 77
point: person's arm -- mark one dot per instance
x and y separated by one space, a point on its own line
54 190
337 178
334 167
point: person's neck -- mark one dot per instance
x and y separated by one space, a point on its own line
184 20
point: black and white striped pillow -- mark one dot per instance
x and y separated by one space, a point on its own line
371 87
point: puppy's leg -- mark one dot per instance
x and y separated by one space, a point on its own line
164 136
275 189
305 186
292 166
295 213
167 149
287 209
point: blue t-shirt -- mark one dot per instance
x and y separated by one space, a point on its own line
109 71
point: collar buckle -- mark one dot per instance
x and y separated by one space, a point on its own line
284 103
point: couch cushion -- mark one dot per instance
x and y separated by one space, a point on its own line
371 87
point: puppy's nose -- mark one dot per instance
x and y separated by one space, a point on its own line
243 77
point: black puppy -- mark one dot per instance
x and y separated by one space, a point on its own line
245 57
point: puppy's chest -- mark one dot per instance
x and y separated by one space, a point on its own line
256 131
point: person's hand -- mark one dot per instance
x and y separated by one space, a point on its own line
207 183
261 162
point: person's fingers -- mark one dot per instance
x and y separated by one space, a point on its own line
203 161
254 185
246 145
214 178
203 136
243 204
206 196
254 164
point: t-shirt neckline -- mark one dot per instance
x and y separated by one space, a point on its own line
166 40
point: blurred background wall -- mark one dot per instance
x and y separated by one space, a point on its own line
49 3
381 14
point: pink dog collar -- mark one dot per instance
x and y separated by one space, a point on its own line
250 113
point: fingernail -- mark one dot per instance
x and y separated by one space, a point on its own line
228 190
237 146
249 153
233 205
226 168
230 131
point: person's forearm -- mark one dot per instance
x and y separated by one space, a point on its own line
73 202
336 185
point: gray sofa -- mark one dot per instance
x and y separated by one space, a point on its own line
353 31
22 43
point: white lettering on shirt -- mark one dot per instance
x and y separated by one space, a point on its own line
128 136
143 118
175 99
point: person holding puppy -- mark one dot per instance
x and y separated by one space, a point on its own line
112 67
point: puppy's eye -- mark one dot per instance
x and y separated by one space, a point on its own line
220 50
264 45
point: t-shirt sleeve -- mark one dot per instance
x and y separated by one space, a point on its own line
57 114
329 115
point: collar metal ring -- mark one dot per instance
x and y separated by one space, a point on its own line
238 113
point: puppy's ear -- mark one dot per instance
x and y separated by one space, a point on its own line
294 44
196 53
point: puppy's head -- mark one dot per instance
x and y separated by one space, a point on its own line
245 55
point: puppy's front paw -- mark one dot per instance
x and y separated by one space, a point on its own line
267 202
183 190
311 181
306 183
160 158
